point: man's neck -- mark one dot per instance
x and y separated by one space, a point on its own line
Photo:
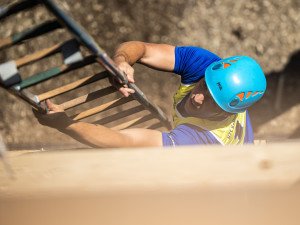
181 109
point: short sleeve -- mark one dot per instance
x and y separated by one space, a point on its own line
249 131
191 63
188 135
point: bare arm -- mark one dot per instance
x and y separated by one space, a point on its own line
157 56
97 135
100 136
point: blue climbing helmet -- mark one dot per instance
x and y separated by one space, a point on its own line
235 83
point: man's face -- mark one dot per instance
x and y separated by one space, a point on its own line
201 104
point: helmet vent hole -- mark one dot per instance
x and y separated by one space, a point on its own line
216 67
234 102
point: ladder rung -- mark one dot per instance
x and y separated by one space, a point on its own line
30 33
37 55
16 7
101 108
5 42
43 53
40 77
72 86
53 72
133 122
88 97
120 115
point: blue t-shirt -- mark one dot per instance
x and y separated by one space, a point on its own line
190 64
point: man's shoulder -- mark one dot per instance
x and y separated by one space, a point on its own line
191 62
195 51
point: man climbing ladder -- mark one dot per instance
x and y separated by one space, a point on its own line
210 106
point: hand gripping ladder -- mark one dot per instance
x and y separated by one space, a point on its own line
114 110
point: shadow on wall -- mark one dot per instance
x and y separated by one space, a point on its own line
281 95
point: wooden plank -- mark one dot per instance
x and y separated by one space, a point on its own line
187 185
101 108
72 86
37 55
192 207
274 166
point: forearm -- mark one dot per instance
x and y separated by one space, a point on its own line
130 52
103 137
95 135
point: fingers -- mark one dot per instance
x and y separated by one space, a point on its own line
130 79
122 88
49 103
124 66
128 70
126 91
49 107
130 74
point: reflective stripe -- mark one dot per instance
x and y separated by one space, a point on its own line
187 85
173 142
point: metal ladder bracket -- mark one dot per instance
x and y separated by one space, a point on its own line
9 74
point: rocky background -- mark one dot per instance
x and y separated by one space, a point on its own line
267 30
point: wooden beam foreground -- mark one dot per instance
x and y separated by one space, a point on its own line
193 185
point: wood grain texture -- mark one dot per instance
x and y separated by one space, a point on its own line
257 184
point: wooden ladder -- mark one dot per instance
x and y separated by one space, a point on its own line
87 97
